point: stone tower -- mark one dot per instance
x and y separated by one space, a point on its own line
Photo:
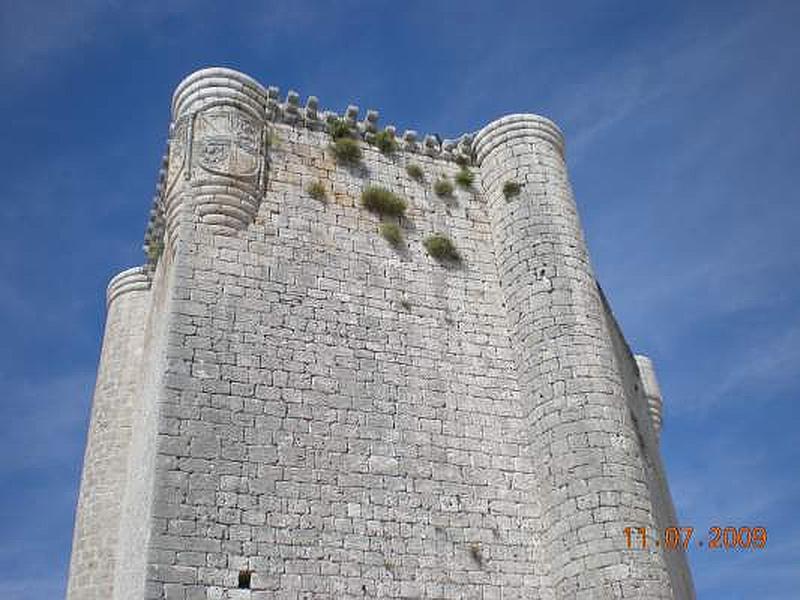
290 406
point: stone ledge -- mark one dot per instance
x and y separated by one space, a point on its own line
130 280
510 127
206 86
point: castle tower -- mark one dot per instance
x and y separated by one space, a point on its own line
289 406
105 465
580 426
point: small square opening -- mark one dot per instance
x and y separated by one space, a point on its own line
244 579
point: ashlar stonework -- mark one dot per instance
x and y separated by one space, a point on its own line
290 406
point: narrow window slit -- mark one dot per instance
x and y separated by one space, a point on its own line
244 579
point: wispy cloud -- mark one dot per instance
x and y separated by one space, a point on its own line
31 32
762 372
731 485
615 92
37 37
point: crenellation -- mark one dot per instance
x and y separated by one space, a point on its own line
346 417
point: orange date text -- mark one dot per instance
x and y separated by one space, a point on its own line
680 538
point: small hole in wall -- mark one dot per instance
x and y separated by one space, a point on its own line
244 579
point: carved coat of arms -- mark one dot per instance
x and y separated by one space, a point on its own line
227 143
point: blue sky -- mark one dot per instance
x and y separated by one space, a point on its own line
682 136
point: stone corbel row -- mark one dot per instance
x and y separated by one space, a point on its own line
154 233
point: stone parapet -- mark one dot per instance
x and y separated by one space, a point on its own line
229 202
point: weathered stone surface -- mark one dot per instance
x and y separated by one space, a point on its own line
295 397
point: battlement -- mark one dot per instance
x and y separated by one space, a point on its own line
220 87
208 87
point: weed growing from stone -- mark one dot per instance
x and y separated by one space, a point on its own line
464 178
385 142
317 191
443 188
338 129
392 233
346 150
476 553
415 172
383 202
155 250
441 248
511 189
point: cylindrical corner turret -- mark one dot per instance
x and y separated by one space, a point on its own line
520 127
592 476
217 151
652 391
105 465
134 279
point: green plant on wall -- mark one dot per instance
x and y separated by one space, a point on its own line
338 128
443 188
476 553
511 189
154 250
464 178
317 191
383 202
391 232
273 141
385 142
462 161
415 172
346 150
441 248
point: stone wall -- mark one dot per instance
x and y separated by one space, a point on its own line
326 414
345 422
644 402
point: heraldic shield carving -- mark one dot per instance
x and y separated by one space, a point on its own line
221 142
227 143
217 156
